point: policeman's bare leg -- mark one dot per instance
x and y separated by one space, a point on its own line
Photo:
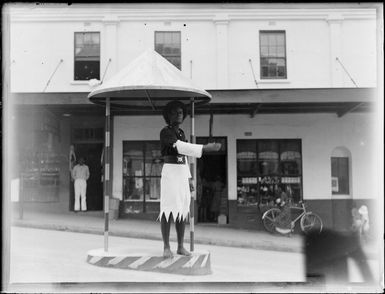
180 228
165 229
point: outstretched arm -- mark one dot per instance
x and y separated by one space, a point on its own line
195 150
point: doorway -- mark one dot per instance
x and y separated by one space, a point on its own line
212 196
91 152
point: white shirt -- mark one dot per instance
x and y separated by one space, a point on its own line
80 172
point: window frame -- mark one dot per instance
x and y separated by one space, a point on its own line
180 47
262 77
74 48
144 177
279 174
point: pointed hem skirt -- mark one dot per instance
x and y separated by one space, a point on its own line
175 194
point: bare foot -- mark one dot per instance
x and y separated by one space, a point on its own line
183 251
167 253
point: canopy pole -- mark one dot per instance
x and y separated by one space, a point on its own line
107 173
193 174
149 100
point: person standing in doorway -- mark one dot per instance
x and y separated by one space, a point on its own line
80 174
175 188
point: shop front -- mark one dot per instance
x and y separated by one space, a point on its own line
45 139
262 157
311 153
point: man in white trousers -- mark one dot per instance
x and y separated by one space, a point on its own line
80 174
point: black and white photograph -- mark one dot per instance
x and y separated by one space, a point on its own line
199 147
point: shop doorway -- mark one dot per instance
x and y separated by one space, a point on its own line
91 152
212 196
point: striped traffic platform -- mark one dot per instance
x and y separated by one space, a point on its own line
196 264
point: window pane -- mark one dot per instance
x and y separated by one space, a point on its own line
154 161
96 38
247 194
176 38
264 39
280 39
290 158
281 71
272 39
264 51
273 51
175 50
272 70
159 39
78 39
167 38
246 157
152 191
86 70
265 71
133 188
280 61
133 159
159 48
264 61
87 38
268 157
273 61
280 51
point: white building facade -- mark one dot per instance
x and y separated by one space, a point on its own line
294 99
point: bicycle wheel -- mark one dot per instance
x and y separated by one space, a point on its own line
311 222
269 218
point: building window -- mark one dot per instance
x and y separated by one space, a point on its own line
168 44
142 166
340 175
87 56
264 166
273 54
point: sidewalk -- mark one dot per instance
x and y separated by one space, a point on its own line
204 234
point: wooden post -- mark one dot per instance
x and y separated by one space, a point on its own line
193 174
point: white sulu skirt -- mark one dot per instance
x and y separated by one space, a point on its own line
175 193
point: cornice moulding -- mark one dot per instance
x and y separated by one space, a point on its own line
99 14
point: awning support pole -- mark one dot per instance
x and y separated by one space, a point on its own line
193 174
107 173
149 100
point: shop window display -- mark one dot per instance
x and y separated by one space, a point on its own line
263 167
40 158
142 166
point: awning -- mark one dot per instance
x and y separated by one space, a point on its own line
240 101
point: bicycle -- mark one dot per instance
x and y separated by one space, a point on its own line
309 221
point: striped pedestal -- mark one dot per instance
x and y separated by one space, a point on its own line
196 264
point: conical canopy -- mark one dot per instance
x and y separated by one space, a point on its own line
148 82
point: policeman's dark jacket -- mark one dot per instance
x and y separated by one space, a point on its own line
168 137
